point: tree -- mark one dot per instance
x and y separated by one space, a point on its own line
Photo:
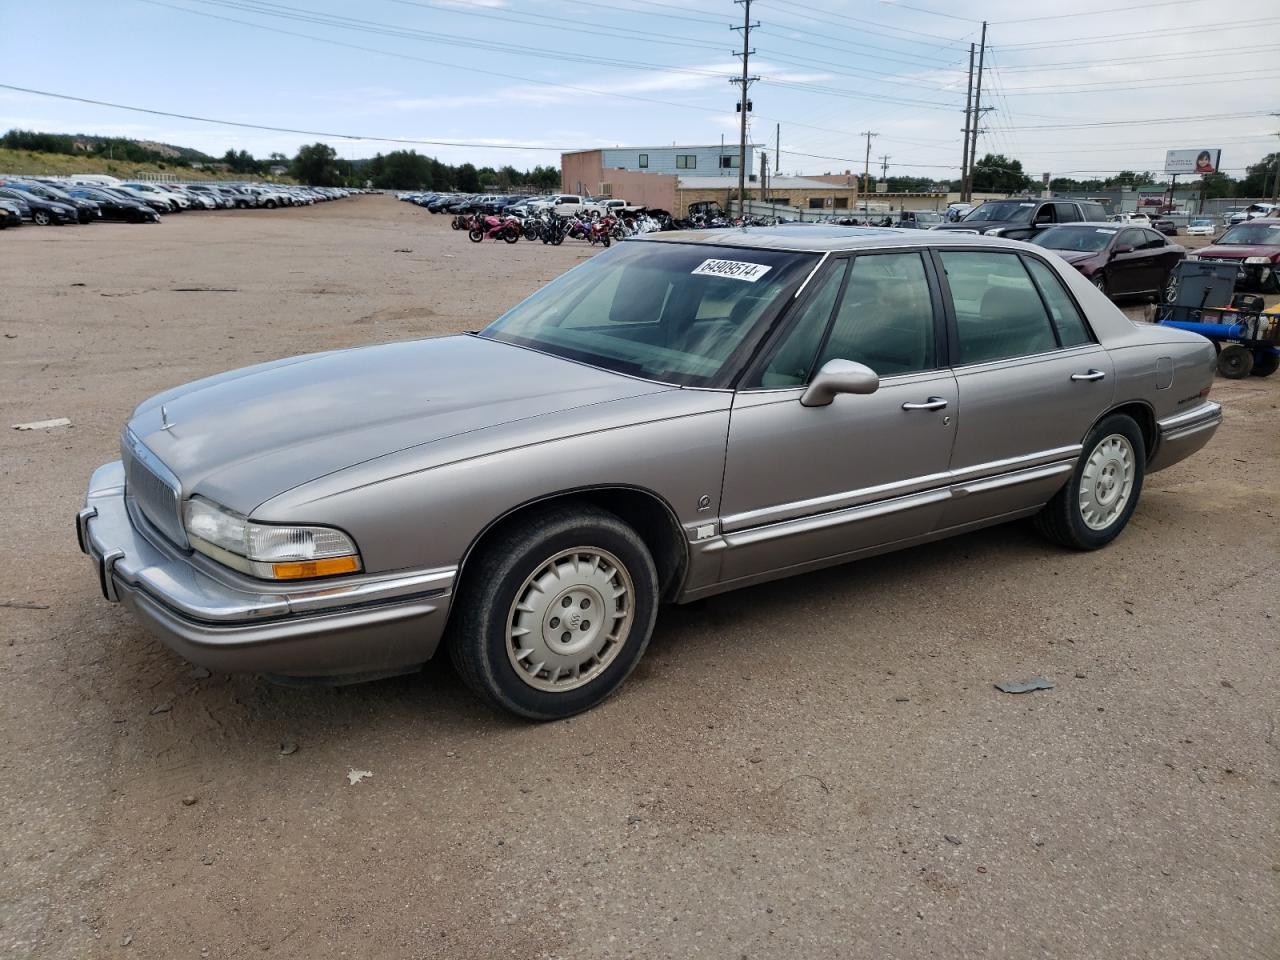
316 164
467 179
996 173
1259 179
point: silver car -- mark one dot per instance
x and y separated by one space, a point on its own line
679 416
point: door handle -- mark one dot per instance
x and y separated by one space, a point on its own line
933 403
1091 375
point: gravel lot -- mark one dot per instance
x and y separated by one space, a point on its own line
817 768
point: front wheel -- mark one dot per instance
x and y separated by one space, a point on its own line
475 234
1099 280
554 613
41 218
1096 503
1235 362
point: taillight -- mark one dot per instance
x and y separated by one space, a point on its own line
1205 392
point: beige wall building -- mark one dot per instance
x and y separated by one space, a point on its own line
584 172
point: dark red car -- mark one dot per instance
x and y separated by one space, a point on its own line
1121 261
1254 246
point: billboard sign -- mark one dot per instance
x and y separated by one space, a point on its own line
1192 162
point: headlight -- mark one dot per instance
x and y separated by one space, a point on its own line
1257 259
1193 256
993 232
268 550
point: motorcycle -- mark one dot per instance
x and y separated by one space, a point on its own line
494 228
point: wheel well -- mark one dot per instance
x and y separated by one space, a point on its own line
650 516
1141 414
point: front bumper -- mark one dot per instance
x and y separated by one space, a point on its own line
362 626
1184 433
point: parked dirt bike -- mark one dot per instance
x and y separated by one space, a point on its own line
462 221
494 228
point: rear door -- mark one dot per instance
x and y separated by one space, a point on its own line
1030 376
805 484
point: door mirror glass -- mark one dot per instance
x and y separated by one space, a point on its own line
836 377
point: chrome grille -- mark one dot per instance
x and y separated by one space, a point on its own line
153 488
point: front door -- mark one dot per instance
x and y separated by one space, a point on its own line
806 484
1031 380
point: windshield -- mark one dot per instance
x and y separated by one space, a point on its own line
1266 234
1082 239
1011 210
671 312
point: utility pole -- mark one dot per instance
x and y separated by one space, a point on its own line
964 153
743 103
978 110
884 167
777 148
866 170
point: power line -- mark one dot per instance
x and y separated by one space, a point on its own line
1107 12
1154 58
305 133
825 16
1130 36
1104 86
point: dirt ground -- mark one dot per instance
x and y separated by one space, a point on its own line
818 768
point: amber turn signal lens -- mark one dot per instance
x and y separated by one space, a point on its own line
304 569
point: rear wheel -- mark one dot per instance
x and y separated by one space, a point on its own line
475 234
1099 280
1265 364
41 218
1235 362
1097 502
553 614
510 234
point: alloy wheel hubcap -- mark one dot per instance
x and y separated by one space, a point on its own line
570 619
1107 482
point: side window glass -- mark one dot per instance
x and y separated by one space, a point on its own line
1154 240
885 319
1071 329
1044 214
1065 213
1130 238
792 359
998 311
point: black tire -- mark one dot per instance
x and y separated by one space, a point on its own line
604 238
1062 519
510 234
1099 280
475 234
1265 364
41 218
1235 362
494 578
270 204
1272 283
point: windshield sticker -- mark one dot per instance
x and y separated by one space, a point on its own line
1103 230
1273 226
733 269
1026 204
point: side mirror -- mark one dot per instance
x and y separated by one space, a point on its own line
1124 249
836 377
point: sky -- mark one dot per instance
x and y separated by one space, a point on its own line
1104 87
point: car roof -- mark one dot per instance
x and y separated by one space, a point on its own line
813 238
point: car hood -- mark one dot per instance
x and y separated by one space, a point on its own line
246 436
1238 251
978 226
1075 256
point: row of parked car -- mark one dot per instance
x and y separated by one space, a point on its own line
498 205
59 200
